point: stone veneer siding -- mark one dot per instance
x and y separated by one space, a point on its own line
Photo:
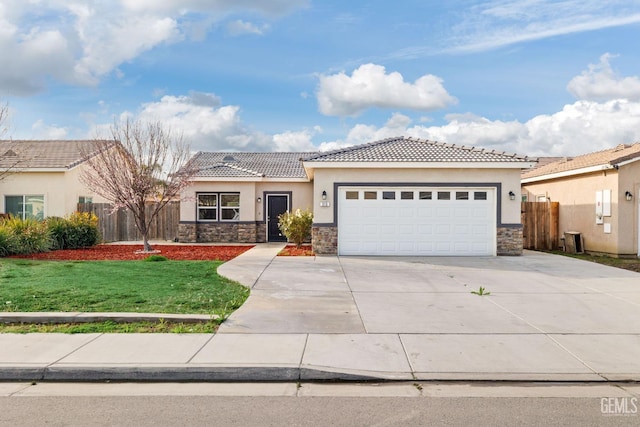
324 240
509 240
222 232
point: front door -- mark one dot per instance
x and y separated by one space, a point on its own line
276 206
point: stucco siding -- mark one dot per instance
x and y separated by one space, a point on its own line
61 190
577 198
509 179
250 208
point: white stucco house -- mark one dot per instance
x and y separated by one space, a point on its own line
398 196
40 179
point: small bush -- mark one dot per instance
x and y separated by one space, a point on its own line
296 226
82 231
156 258
31 236
58 227
79 230
7 241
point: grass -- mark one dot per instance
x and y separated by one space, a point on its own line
632 264
112 327
117 286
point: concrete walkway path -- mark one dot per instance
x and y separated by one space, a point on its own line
547 318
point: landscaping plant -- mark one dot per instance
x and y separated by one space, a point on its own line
296 226
29 235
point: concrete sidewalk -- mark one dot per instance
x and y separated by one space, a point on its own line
548 318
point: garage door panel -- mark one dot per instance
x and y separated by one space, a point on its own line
415 226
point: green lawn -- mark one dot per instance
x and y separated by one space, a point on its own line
117 286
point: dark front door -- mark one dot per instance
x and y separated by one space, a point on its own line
276 205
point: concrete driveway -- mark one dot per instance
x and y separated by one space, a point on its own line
545 315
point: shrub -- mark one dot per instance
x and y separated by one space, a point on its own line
31 236
7 241
82 230
296 226
58 227
156 258
79 230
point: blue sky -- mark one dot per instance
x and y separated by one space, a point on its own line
530 76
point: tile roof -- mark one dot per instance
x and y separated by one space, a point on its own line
406 149
64 154
610 156
249 165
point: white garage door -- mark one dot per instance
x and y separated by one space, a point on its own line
416 221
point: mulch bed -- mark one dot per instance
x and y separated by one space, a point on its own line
128 252
291 250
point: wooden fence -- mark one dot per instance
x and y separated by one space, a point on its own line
540 222
119 226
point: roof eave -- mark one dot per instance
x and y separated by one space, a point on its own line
572 172
626 162
310 165
247 179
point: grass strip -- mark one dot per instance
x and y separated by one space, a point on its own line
113 327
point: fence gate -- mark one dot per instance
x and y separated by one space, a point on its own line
120 226
540 225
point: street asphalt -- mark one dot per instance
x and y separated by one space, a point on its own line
545 318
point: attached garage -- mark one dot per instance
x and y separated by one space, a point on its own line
411 197
427 221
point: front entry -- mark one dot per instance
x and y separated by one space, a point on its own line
276 206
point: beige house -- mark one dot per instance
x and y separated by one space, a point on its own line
398 196
599 196
40 179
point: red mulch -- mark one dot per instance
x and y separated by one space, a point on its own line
128 252
291 250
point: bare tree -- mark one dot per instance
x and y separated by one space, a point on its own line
141 168
11 157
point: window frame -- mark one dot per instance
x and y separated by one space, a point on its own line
218 209
22 214
236 209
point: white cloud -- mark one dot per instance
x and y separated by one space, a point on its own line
579 128
271 7
42 131
210 126
601 83
240 27
81 42
370 86
496 23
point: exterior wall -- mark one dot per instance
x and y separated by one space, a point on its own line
325 178
509 231
577 197
61 190
252 227
324 240
509 241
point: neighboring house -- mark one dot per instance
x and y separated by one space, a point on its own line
41 178
398 196
599 196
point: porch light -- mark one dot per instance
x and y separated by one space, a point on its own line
324 195
259 200
512 195
628 196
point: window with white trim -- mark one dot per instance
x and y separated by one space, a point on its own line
25 206
230 207
207 207
223 207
